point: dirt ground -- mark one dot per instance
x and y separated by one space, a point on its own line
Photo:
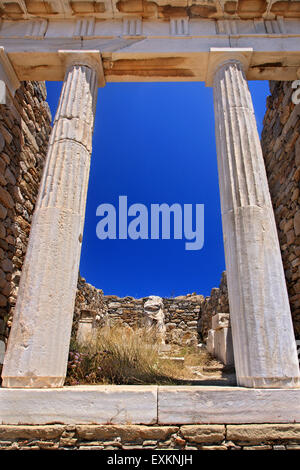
196 366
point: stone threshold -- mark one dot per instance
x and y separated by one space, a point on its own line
131 404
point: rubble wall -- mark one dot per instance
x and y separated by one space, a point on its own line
181 313
135 437
25 126
281 150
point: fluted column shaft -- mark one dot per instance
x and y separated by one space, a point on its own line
38 344
264 344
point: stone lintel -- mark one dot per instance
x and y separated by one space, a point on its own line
220 55
89 58
8 77
130 404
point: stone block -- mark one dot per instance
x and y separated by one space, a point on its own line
3 212
220 320
263 447
90 404
263 433
204 434
126 433
297 223
31 432
210 343
226 405
6 199
85 330
223 347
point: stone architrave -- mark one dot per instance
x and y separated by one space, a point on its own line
154 317
38 345
263 338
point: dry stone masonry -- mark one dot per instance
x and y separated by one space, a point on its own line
134 437
281 149
181 313
25 125
217 302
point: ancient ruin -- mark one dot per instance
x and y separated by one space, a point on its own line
87 44
155 318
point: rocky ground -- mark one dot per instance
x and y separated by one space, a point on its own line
197 367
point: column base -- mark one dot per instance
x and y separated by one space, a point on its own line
269 382
33 382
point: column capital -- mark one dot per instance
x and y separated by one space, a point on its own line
218 56
91 58
8 76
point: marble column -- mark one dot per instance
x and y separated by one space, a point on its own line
263 338
38 345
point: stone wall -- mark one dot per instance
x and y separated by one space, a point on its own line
181 313
217 302
133 437
25 125
281 149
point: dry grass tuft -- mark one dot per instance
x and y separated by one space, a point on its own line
120 355
117 356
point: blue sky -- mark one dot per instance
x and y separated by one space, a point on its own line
154 143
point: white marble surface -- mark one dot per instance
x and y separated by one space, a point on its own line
263 337
38 344
224 405
130 404
106 404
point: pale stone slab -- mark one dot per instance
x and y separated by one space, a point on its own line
84 332
223 347
225 405
220 320
102 404
210 342
129 404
